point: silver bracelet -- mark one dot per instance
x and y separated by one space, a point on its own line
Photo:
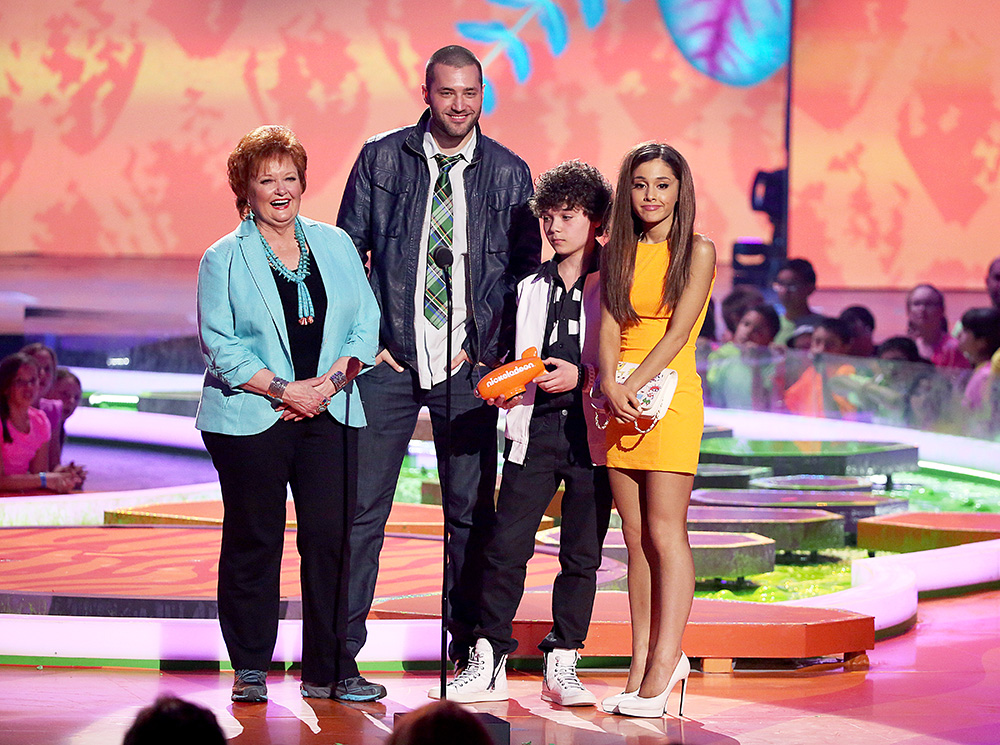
277 388
339 381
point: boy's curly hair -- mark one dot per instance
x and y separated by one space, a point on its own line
570 185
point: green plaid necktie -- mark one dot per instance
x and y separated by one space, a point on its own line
440 234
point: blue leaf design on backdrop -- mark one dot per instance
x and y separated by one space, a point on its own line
495 31
481 31
489 96
592 12
553 21
738 42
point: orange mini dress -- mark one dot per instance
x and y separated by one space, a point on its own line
673 444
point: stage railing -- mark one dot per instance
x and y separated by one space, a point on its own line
914 395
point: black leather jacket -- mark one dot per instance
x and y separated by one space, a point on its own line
383 210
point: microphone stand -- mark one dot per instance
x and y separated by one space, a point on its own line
498 729
443 258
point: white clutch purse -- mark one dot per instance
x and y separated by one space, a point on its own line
654 397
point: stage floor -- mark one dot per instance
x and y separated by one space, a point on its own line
938 683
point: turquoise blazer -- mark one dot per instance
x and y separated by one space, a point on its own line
242 326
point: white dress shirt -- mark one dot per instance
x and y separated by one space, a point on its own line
432 350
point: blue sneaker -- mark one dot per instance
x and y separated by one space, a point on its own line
249 686
359 690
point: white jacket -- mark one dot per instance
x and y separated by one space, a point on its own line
533 293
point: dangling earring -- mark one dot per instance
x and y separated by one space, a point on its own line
250 215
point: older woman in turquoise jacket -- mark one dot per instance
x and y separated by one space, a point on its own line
287 318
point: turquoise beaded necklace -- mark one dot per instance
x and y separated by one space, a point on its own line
306 311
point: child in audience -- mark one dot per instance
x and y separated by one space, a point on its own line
66 389
740 299
45 359
882 390
741 372
794 283
861 323
810 394
552 438
979 340
26 432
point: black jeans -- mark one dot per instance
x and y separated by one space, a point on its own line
552 457
317 458
392 402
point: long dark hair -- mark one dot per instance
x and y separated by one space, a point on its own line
618 256
9 367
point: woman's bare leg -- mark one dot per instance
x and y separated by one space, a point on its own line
627 487
671 589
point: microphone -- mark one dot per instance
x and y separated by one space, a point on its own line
442 257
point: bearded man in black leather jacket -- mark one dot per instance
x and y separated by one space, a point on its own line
386 210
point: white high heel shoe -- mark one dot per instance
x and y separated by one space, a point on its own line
639 706
610 704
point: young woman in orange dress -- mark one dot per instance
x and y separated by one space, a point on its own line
657 277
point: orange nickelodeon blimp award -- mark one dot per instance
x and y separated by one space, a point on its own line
509 380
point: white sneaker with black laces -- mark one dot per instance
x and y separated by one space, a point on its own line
480 680
560 684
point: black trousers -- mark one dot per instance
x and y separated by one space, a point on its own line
392 402
317 457
557 447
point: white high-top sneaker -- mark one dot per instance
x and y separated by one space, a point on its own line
480 680
560 684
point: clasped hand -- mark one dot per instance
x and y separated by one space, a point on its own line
65 478
620 401
304 399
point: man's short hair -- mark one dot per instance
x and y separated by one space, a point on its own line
859 314
452 56
570 185
803 270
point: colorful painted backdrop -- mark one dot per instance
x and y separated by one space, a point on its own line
116 116
895 163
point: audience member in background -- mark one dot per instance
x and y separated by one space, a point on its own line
801 338
861 323
26 432
930 405
706 342
795 282
899 349
810 394
928 327
979 340
741 373
882 390
993 290
993 282
740 299
797 358
440 723
45 359
69 391
172 721
708 332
